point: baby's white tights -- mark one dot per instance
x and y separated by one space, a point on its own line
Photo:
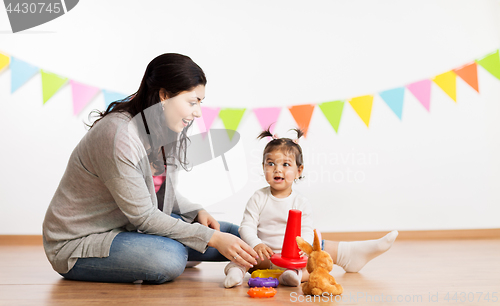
234 275
353 255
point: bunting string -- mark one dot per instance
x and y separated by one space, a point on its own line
83 94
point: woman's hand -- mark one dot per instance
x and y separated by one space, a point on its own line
263 250
206 219
234 249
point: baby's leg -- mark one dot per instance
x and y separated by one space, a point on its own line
235 273
354 255
305 275
291 277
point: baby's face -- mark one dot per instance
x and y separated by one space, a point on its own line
280 171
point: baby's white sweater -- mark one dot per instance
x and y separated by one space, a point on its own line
265 218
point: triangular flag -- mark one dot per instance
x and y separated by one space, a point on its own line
422 91
208 116
468 73
394 98
51 83
201 125
82 95
4 61
448 83
491 63
302 115
267 116
111 96
363 106
231 118
333 112
206 120
20 73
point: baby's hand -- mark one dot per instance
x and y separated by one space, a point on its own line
303 254
263 250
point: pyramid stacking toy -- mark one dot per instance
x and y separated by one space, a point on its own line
290 257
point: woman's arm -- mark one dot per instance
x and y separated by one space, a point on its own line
234 249
120 161
134 200
204 218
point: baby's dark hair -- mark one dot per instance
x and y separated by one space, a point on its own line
285 145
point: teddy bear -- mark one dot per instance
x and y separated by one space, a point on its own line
319 264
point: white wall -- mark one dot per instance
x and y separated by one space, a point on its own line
437 170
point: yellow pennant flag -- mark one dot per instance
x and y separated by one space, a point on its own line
363 106
448 83
4 61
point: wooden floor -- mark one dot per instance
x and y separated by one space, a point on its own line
432 272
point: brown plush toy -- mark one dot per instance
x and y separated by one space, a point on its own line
319 265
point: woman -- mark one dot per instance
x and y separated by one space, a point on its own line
103 223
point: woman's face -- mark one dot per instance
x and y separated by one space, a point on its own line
180 110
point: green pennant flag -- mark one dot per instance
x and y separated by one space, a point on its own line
491 63
231 118
51 83
333 112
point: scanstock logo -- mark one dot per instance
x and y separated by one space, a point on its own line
26 14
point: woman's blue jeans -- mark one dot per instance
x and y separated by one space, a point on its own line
134 256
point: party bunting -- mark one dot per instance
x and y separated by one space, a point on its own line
51 83
468 73
267 117
422 91
21 72
82 95
394 98
333 112
491 63
363 107
4 61
231 118
302 115
111 96
448 83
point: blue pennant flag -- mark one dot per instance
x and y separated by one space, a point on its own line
110 97
21 72
394 98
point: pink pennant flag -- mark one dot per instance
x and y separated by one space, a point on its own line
267 116
82 95
422 91
208 116
201 124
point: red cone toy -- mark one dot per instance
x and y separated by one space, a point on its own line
290 257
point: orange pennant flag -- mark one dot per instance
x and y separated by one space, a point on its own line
468 73
302 115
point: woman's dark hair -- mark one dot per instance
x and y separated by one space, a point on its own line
285 145
174 73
